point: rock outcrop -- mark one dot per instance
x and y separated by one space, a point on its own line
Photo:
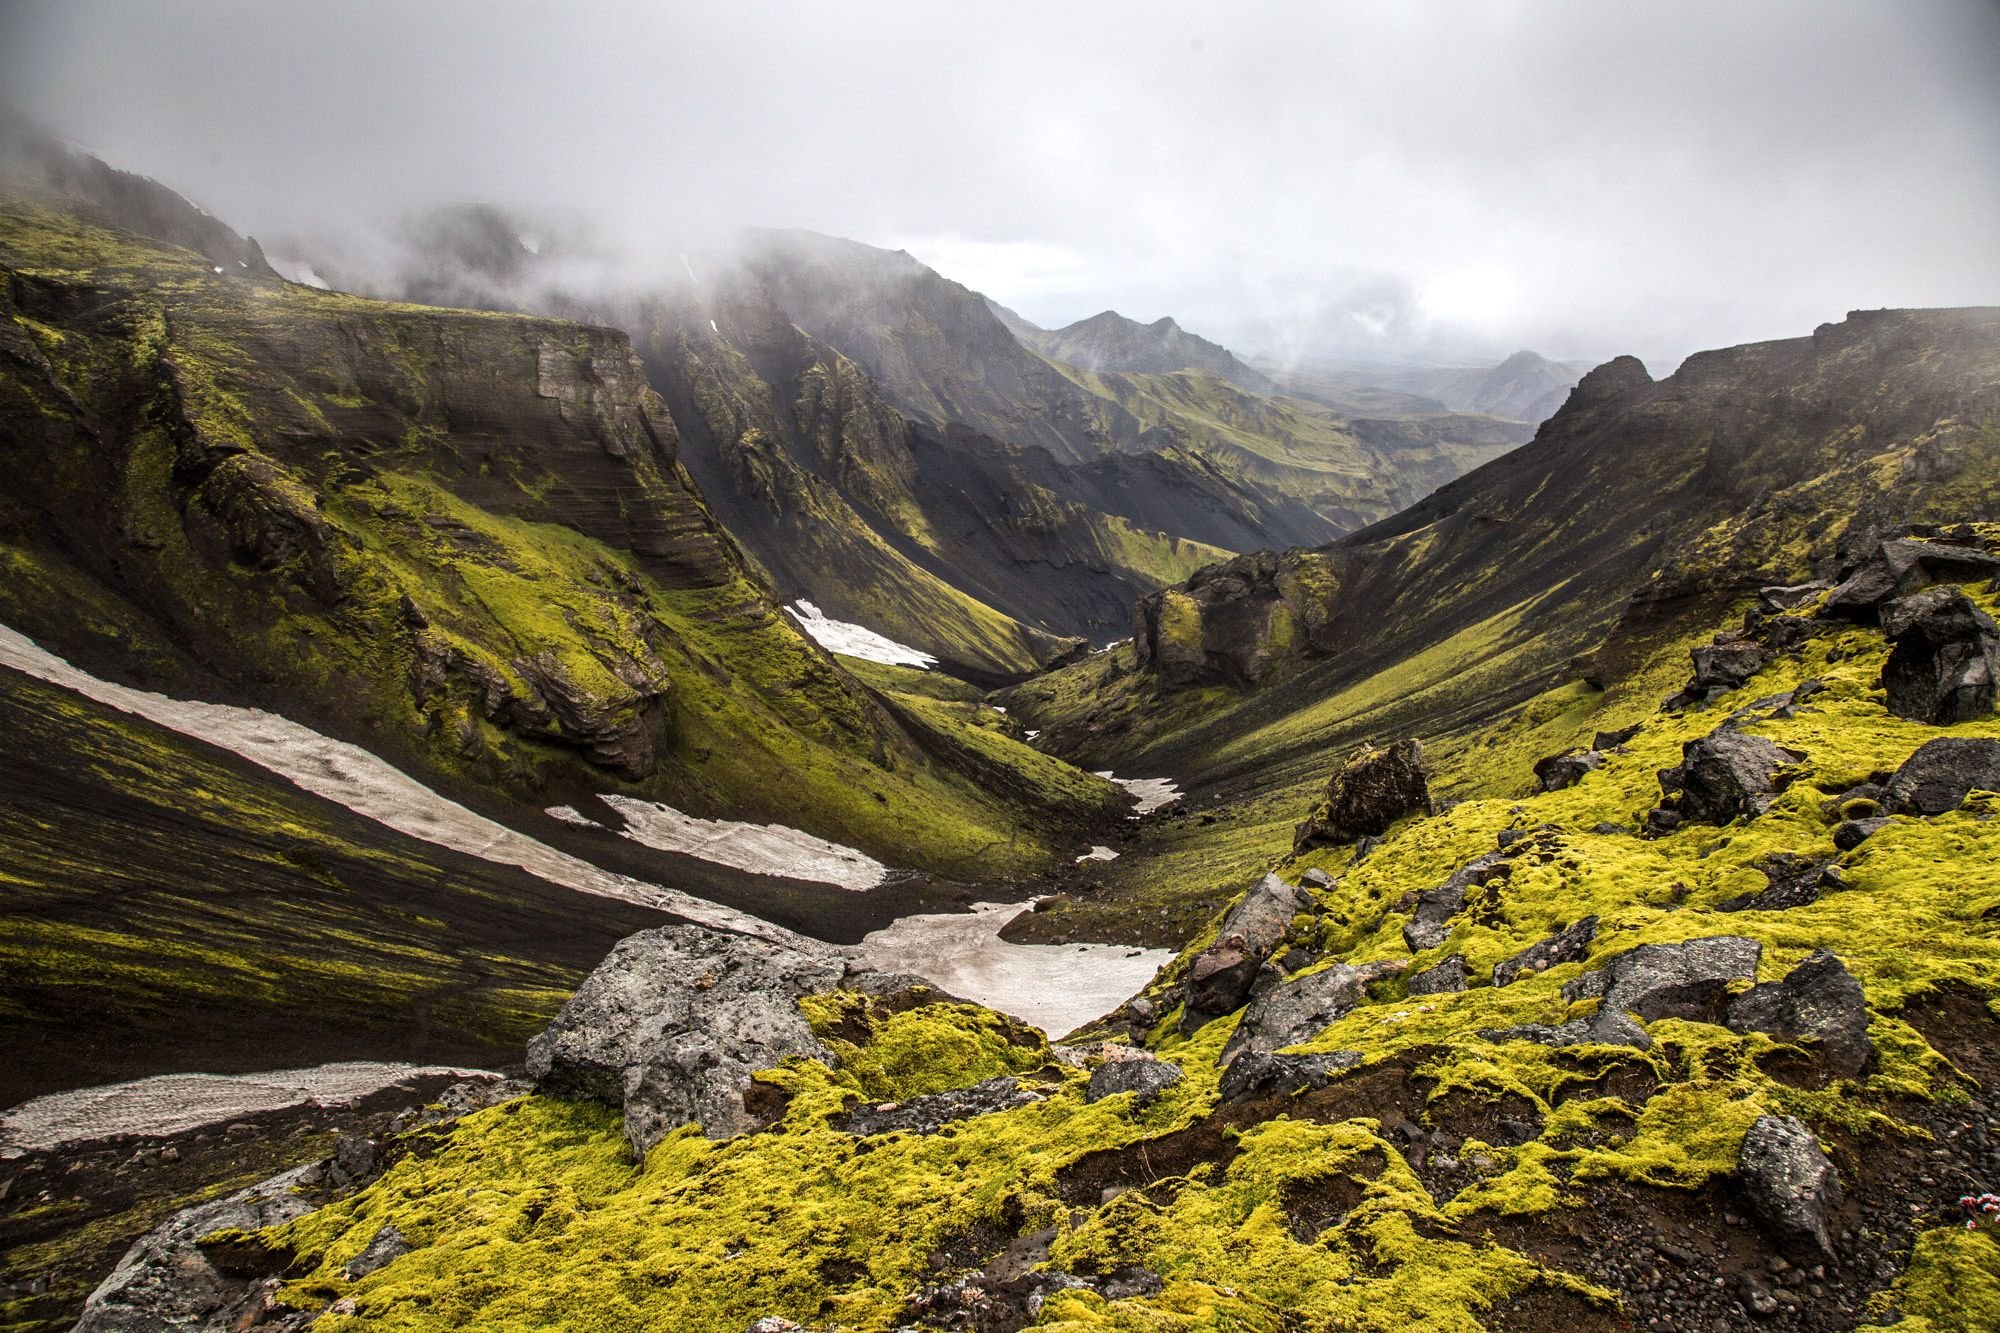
1819 999
1233 623
1304 1006
1444 978
1946 660
167 1280
1941 773
673 1024
1221 977
931 1112
1254 1074
1900 566
1430 920
1726 775
1686 980
1145 1078
1791 1186
1571 944
1367 794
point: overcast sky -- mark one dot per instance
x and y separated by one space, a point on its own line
1354 179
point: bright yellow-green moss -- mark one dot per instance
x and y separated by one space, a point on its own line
1951 1286
531 1216
931 1048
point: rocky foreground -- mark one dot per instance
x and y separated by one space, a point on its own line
1699 1036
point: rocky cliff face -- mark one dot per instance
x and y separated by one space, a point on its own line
1746 465
464 540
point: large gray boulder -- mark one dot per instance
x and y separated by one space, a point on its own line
674 1022
1946 658
1690 979
1143 1077
167 1281
1302 1008
1369 792
1939 776
1818 999
1791 1186
1726 775
1221 976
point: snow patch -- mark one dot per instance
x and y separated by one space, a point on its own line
1152 793
569 814
690 272
712 328
998 709
762 849
176 1103
839 636
1097 852
369 786
1058 988
532 244
1031 734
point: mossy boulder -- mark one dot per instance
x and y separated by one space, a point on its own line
1368 793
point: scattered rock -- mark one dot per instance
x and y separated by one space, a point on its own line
1146 1079
1819 999
1851 833
1303 1007
1430 922
1371 791
1726 775
1611 740
1794 882
1939 776
1223 975
387 1247
1568 945
1255 1074
166 1280
1946 658
1903 566
1790 1185
1685 980
1444 978
932 1112
1318 878
1567 769
1792 596
674 1022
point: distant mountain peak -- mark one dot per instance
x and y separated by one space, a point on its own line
1109 342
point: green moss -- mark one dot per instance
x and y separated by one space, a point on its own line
929 1048
1951 1286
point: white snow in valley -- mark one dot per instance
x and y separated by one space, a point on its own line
369 786
176 1103
1031 734
839 636
762 849
1097 852
1152 793
712 328
1057 987
532 244
569 814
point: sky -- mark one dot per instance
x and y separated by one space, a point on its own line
1360 181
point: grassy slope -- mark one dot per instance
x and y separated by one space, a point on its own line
532 1208
332 418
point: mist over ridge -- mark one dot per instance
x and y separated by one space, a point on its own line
1373 183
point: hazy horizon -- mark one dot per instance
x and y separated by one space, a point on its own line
1387 183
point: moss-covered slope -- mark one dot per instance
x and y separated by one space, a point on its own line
460 539
1745 467
1452 1176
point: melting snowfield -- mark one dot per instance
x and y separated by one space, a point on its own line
1057 987
175 1103
1152 793
349 775
838 636
762 849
